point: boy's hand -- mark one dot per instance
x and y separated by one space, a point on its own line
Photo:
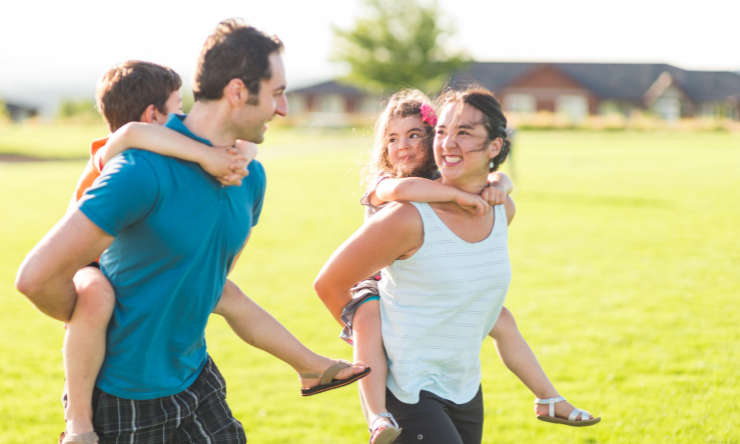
231 168
494 195
220 162
473 203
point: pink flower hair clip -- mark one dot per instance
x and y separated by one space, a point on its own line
428 115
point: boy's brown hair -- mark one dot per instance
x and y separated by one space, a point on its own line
234 51
128 88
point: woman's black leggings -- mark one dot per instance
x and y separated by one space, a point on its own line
434 420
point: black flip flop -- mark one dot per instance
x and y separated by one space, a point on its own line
327 379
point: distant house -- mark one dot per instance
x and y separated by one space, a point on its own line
580 89
331 104
19 113
575 90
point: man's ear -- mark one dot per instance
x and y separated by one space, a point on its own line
496 143
236 92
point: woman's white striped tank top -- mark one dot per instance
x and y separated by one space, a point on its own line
439 305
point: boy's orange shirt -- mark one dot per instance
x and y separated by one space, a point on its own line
90 173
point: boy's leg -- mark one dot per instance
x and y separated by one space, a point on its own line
255 326
84 346
518 357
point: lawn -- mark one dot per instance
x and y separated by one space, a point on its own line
625 251
56 141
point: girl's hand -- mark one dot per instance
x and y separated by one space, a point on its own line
494 195
473 203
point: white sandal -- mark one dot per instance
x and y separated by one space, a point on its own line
389 433
572 418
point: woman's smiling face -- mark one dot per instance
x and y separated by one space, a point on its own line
461 145
405 136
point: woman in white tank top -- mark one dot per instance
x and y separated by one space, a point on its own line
447 276
444 280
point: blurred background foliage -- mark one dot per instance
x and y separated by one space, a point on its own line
79 111
399 44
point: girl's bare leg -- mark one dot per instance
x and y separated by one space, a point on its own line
84 346
515 353
368 348
258 328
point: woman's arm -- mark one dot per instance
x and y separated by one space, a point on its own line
417 189
393 233
510 208
228 164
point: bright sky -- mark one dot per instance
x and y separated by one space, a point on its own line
51 49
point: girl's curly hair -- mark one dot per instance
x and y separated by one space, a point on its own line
405 103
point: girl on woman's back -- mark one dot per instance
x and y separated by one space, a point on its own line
403 169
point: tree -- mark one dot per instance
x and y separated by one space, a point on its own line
398 44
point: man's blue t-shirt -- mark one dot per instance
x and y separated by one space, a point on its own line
177 232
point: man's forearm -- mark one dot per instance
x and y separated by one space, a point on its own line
46 274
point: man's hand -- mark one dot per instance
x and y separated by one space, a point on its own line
243 153
494 195
473 203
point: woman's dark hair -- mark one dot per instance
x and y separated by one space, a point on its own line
493 116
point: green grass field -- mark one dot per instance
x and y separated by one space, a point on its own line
626 259
55 141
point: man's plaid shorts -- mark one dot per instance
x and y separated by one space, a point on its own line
198 414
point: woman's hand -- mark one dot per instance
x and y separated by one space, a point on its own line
473 203
494 195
